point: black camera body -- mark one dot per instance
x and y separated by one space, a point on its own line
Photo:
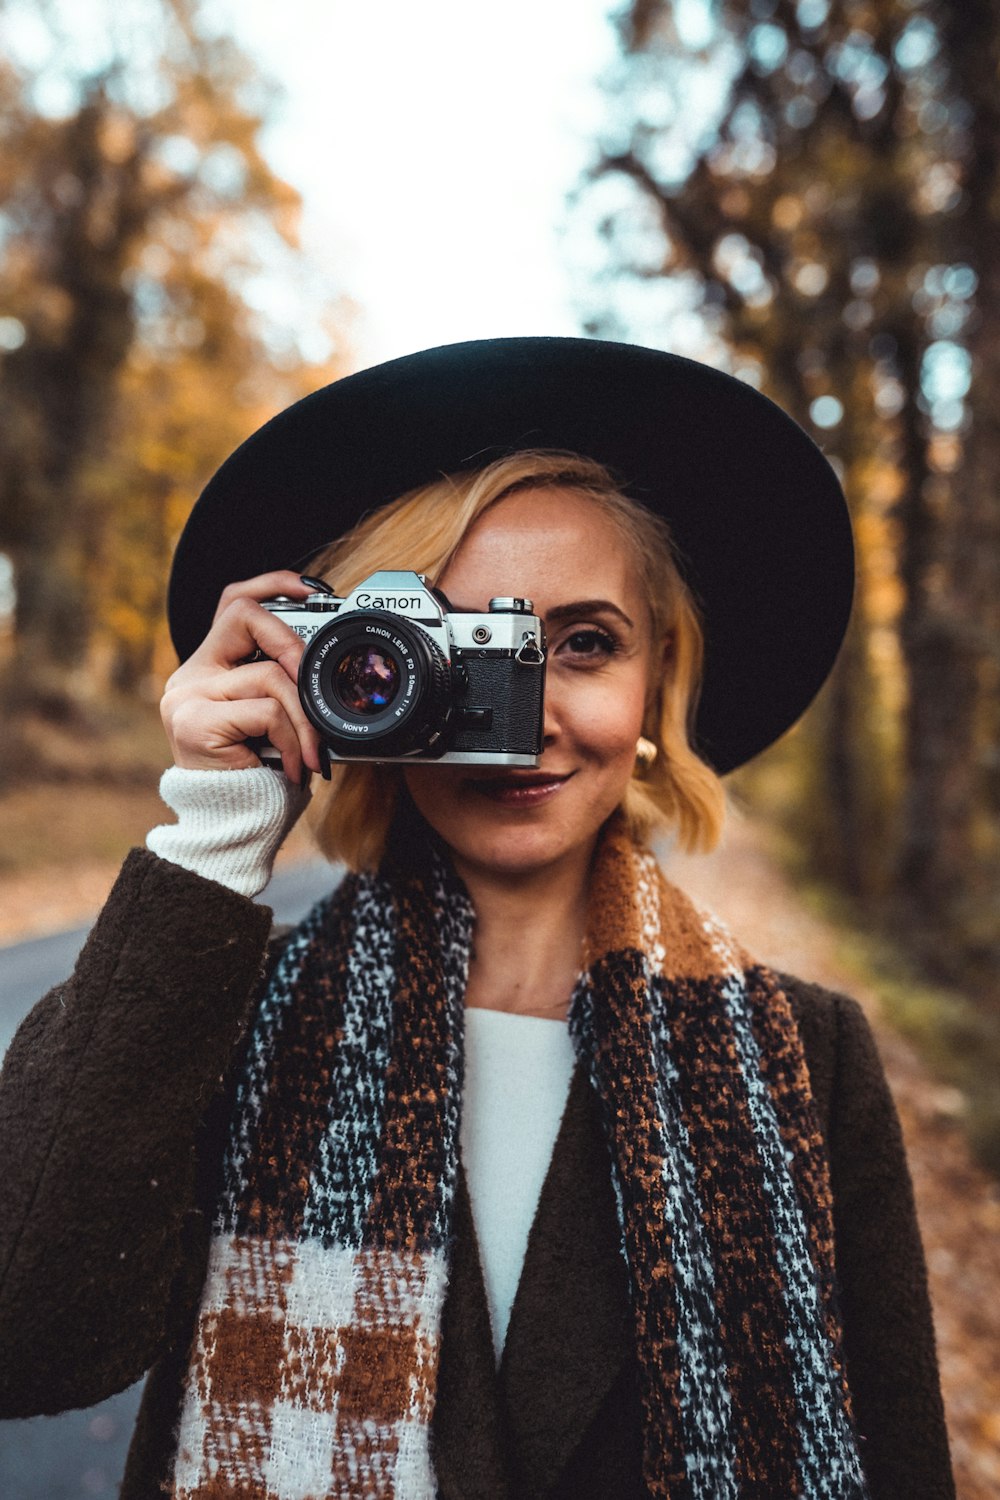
393 673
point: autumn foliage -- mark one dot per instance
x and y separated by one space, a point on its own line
819 182
139 225
810 192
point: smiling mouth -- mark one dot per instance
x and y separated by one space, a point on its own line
524 790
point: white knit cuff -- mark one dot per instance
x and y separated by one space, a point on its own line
230 824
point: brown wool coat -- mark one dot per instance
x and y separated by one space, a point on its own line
112 1106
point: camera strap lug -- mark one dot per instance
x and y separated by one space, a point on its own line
528 652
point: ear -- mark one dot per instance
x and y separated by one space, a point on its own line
661 665
668 651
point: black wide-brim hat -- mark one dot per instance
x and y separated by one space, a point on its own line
760 524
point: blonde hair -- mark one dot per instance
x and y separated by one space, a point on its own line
421 531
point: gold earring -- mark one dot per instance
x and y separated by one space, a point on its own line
645 754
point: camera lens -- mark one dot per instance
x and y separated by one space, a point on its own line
370 681
366 680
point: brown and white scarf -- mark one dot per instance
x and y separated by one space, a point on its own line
313 1368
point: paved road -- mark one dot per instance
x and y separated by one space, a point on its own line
80 1455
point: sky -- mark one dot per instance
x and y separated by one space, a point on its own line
435 144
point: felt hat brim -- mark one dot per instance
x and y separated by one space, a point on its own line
758 517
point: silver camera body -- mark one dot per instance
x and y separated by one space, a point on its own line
393 673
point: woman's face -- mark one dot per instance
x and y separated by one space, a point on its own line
560 550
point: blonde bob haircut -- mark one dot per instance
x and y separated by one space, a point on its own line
421 531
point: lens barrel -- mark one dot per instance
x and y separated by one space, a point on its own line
372 682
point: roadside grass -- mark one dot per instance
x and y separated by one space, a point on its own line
81 792
84 794
61 825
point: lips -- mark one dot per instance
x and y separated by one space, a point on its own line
525 789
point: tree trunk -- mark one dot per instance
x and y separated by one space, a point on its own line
60 390
952 560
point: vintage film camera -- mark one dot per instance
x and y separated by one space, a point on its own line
393 673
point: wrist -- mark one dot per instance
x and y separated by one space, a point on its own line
230 823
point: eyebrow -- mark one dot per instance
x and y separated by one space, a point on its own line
589 607
568 611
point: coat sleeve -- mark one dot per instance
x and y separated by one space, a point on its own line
888 1331
102 1095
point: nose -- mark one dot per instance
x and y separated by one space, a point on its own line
550 719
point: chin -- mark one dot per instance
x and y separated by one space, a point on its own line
515 853
522 848
517 841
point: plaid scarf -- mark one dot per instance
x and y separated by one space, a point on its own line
313 1365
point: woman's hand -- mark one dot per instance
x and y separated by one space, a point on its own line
217 700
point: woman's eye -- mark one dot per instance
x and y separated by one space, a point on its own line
590 644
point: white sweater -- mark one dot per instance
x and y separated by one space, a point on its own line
229 827
517 1073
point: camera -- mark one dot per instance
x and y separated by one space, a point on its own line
393 673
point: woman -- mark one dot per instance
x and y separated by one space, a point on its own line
722 1292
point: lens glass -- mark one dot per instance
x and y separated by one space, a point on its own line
366 680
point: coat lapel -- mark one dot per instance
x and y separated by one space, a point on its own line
570 1326
470 1439
506 1433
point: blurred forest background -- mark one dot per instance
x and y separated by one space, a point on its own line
834 231
808 190
135 228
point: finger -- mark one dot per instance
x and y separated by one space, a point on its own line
263 586
244 627
195 717
206 681
265 679
209 735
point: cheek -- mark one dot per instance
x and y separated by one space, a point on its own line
608 716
